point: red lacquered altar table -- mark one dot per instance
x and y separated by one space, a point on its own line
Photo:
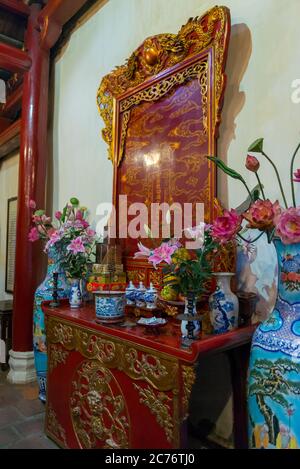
121 387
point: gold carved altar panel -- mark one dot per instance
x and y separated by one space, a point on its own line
162 111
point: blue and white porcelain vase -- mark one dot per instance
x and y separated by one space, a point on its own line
75 296
184 324
274 374
224 304
43 293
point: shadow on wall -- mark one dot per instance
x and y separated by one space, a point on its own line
258 273
239 53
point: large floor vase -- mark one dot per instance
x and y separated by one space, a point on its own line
44 292
274 374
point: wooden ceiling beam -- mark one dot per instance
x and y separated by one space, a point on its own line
15 6
53 16
13 59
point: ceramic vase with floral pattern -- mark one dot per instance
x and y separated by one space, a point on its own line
43 293
274 375
224 304
75 296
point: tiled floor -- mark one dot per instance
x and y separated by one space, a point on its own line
21 417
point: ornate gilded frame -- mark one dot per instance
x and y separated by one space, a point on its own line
160 63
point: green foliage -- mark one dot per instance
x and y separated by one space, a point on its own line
229 171
192 274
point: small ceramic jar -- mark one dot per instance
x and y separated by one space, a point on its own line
139 295
150 297
130 293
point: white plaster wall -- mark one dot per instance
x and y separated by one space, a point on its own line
264 58
8 188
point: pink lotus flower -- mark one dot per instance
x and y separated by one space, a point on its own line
252 163
45 220
226 226
261 214
297 176
143 252
58 215
76 246
33 234
288 225
32 204
162 254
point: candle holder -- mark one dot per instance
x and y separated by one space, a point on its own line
55 300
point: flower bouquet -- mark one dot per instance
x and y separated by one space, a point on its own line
70 236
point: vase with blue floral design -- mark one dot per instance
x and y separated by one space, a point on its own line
190 329
75 295
43 293
274 374
224 304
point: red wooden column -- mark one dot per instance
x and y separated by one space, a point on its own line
32 182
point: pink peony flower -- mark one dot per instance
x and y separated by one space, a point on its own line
288 225
226 226
32 204
261 214
297 176
58 215
33 234
252 163
162 254
76 246
143 252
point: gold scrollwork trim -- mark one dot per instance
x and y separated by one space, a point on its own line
188 379
125 120
163 51
159 405
160 89
135 361
56 356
